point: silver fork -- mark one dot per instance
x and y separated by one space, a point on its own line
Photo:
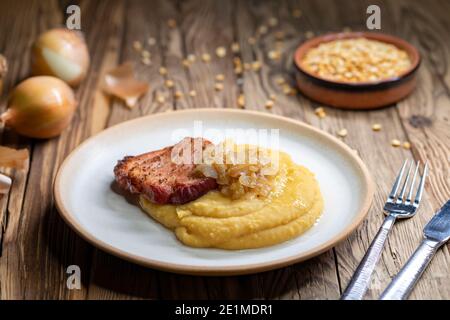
396 206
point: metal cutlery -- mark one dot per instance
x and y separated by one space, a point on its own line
436 233
398 205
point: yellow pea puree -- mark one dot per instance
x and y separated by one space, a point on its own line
216 221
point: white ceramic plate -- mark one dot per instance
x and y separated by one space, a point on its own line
108 221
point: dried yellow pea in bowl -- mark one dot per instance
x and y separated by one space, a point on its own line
356 70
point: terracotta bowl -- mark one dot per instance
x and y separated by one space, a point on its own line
361 95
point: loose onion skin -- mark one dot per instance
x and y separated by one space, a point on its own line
40 107
61 53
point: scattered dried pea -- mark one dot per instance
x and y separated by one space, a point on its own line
206 57
269 104
395 143
146 61
256 65
145 54
320 112
235 48
178 95
273 21
162 71
274 54
342 133
376 127
263 29
186 63
160 99
237 61
169 83
137 45
221 52
241 101
321 115
191 57
280 80
287 89
238 70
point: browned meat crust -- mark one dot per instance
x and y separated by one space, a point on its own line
156 176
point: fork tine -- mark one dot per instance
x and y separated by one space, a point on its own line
397 182
411 188
405 184
421 185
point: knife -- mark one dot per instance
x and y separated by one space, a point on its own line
436 233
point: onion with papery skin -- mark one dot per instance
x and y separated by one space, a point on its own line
40 107
61 53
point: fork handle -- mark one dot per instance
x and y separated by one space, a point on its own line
403 283
360 281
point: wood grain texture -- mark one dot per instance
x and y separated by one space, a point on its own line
36 246
258 87
425 119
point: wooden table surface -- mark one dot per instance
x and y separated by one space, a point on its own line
36 246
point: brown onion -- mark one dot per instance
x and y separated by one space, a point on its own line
40 107
61 53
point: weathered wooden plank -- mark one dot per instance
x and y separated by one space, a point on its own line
205 26
279 283
21 35
374 148
425 118
11 203
380 159
38 246
138 21
317 278
175 43
201 28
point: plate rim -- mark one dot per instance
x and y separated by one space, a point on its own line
225 270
